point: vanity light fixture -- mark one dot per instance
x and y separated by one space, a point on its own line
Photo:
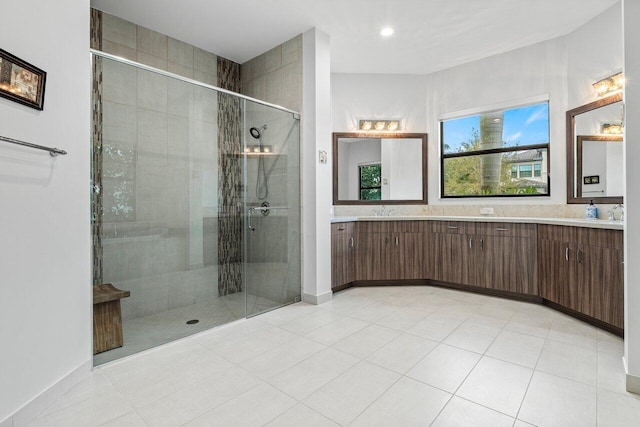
609 84
382 125
612 128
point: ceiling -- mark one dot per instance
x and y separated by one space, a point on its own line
430 35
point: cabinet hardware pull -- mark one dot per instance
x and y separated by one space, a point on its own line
578 256
566 254
396 240
482 244
470 245
351 242
502 229
451 227
341 228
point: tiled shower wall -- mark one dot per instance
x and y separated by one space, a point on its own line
275 77
159 170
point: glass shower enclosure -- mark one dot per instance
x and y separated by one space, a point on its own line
196 203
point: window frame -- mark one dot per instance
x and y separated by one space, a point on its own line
469 113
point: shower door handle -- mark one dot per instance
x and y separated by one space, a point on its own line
251 227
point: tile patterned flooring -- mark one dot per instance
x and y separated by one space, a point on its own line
143 333
384 356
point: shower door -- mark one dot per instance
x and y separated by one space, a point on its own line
271 161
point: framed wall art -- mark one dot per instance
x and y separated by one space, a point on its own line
21 82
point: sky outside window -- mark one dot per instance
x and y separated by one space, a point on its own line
521 126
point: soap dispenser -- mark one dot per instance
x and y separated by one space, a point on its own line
592 211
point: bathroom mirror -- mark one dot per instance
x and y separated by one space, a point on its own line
379 168
594 152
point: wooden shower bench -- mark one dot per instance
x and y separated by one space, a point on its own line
107 317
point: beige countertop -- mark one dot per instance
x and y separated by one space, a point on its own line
576 222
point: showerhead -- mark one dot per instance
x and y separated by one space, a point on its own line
257 132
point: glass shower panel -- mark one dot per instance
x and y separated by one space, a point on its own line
159 187
271 174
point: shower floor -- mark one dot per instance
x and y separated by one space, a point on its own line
150 331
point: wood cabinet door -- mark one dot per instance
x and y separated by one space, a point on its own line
589 276
407 256
607 285
509 264
554 268
350 270
485 258
453 259
339 260
373 256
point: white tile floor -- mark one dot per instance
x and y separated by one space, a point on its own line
143 333
385 356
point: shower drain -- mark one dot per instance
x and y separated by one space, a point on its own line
192 322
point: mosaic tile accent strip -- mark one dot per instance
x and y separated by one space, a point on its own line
96 29
96 149
230 213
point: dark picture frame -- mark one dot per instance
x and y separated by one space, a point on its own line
21 82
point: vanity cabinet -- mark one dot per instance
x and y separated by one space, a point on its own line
567 267
342 254
506 257
582 269
389 250
454 257
500 256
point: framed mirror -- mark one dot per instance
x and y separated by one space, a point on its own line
379 168
594 152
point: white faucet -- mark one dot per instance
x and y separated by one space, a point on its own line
612 216
379 212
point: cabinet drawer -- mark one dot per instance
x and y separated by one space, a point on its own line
453 227
603 238
390 226
507 229
598 237
340 228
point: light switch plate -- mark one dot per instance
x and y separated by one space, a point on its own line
322 154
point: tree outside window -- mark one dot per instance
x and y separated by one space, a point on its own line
370 182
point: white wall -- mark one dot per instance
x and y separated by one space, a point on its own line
595 52
508 78
631 10
355 154
402 169
564 68
45 252
378 96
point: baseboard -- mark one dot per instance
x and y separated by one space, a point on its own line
633 381
317 299
588 319
45 399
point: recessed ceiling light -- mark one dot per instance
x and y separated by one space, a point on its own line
386 31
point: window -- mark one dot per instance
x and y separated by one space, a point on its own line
525 171
370 180
496 153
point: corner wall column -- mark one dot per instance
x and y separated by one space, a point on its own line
316 176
